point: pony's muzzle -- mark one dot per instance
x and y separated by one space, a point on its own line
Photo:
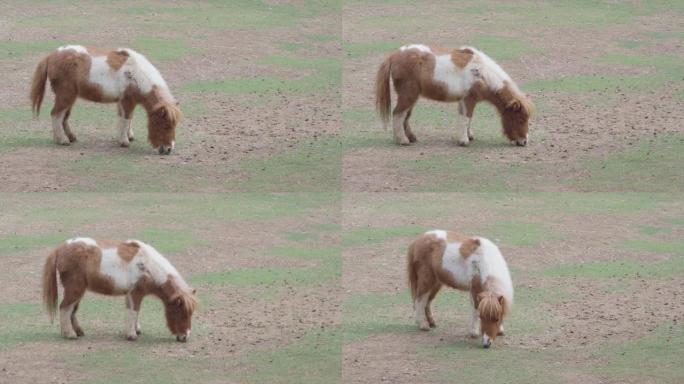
182 338
165 150
486 341
521 142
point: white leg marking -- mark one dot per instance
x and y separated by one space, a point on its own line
398 127
131 320
419 308
465 133
501 329
475 323
124 127
65 322
58 129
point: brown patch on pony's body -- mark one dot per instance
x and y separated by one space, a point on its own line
116 59
127 251
461 57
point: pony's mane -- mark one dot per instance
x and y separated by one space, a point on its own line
490 308
189 301
173 113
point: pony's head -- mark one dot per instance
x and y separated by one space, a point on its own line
491 308
161 129
179 309
515 117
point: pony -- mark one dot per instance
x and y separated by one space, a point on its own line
131 268
465 75
472 264
121 76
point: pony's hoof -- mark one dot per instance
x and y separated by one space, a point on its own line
433 325
471 137
72 139
64 142
403 141
70 336
412 138
138 332
79 332
131 138
424 326
131 337
462 143
124 144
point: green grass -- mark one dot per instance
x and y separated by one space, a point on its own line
328 269
630 268
18 243
520 233
12 49
646 167
655 357
313 166
360 236
316 358
354 50
163 49
503 48
318 75
170 241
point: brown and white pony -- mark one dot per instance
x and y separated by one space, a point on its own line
122 76
472 264
132 269
464 75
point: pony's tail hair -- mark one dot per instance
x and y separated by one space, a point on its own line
38 85
411 271
383 101
50 285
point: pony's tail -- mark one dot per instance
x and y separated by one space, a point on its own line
411 271
38 85
50 285
383 101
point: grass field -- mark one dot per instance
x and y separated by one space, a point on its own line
289 208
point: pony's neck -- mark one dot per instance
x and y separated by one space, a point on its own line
152 99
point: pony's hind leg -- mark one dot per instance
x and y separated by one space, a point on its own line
428 310
407 95
67 128
407 128
65 97
74 321
420 309
74 289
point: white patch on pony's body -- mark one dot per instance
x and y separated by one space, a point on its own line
493 75
124 274
458 81
420 47
84 240
113 83
157 265
493 264
144 74
461 269
77 48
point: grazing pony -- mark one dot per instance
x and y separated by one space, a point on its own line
132 269
464 75
122 76
472 264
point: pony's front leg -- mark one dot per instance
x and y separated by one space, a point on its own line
465 109
132 321
475 324
125 109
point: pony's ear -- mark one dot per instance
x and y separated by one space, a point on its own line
501 299
514 105
194 291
